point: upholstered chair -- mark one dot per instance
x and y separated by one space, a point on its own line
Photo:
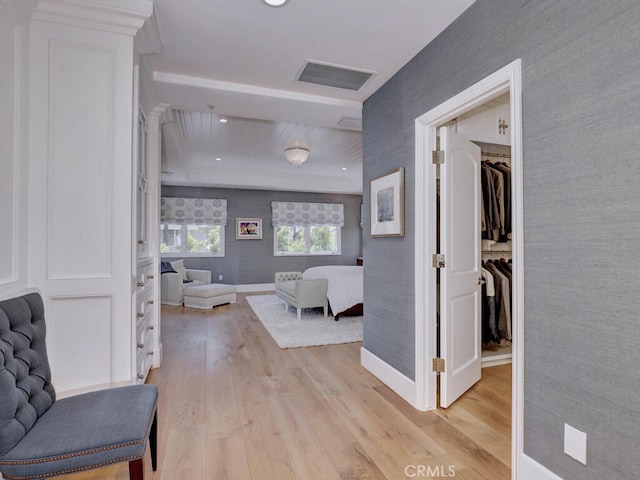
300 293
173 285
42 437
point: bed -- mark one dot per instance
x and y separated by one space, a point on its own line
345 289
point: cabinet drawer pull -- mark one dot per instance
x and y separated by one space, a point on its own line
140 376
140 284
150 302
150 353
151 327
150 276
140 242
141 345
140 315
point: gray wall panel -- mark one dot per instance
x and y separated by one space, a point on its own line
252 261
581 131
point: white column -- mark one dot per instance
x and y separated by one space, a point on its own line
80 177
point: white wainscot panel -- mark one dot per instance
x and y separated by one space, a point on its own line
80 175
79 341
8 178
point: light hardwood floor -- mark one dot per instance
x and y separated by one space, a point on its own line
234 406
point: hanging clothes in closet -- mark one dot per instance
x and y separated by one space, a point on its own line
496 201
496 301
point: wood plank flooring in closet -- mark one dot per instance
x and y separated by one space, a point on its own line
234 406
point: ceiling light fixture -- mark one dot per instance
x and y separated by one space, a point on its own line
223 120
297 155
276 3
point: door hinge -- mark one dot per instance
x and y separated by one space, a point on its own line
437 157
438 365
437 260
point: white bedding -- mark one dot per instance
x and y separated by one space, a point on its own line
345 284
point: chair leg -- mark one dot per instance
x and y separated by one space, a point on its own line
153 442
136 469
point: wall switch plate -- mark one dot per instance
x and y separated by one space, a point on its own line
575 443
219 277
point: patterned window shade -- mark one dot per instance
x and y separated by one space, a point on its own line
298 213
209 211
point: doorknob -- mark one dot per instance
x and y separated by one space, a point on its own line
481 281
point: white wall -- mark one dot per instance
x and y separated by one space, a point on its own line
14 46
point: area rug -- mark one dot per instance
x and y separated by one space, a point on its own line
311 330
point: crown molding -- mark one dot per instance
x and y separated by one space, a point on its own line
148 38
115 16
18 12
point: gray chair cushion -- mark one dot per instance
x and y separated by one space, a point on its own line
25 377
85 431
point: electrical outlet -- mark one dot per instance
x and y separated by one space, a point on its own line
575 443
219 277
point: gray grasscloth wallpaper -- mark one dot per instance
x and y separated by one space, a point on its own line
581 131
252 261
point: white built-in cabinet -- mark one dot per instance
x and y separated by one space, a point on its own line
83 213
145 325
488 123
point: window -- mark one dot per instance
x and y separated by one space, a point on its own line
307 228
186 240
310 240
192 226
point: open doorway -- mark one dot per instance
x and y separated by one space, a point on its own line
504 81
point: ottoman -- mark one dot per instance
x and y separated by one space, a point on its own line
209 295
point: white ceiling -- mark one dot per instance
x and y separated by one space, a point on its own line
239 59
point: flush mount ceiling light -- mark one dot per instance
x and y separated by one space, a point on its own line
297 155
276 3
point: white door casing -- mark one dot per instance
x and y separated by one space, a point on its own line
507 79
460 302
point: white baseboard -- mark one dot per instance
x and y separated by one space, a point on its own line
392 378
532 470
258 287
495 360
90 388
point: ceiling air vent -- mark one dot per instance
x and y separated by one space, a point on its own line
333 76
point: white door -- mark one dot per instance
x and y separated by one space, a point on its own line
460 289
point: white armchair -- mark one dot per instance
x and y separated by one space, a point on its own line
172 284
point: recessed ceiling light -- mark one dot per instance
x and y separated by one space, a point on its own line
276 3
218 159
223 120
344 168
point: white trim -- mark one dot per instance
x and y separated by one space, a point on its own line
532 470
396 381
201 82
507 79
18 12
495 360
116 16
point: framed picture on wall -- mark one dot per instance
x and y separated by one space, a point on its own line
248 228
387 204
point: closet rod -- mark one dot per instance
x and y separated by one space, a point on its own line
497 155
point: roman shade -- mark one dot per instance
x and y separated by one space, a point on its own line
208 211
301 213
